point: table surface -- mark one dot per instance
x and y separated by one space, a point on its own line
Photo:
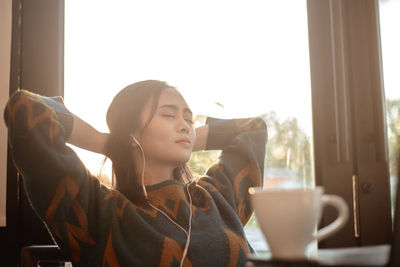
352 256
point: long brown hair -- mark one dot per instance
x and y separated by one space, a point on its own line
124 118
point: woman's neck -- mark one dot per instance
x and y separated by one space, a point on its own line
157 173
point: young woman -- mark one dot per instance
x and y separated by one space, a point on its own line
156 215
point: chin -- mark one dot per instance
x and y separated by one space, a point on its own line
176 158
181 161
184 161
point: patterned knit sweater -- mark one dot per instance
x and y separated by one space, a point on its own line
97 226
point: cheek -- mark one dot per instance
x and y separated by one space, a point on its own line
156 135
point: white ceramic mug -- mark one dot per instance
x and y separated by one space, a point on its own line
289 218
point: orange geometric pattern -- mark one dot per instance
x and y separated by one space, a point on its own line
173 193
126 225
115 195
171 252
252 172
236 242
205 204
109 254
68 185
25 99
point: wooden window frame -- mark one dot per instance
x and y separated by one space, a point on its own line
37 64
350 143
350 146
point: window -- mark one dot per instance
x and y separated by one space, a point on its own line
237 59
390 41
342 35
229 59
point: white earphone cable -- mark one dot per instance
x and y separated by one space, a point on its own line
189 227
188 233
144 166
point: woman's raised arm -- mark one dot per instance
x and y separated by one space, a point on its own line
78 210
241 162
201 138
85 136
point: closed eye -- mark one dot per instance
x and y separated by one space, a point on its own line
168 115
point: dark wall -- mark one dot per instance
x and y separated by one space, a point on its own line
37 64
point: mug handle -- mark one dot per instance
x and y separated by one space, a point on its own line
340 221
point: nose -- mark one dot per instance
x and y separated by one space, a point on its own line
183 126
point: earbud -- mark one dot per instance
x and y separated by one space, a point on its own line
135 140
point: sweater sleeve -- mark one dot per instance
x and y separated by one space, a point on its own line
61 190
241 162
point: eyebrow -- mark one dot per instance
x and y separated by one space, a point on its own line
176 108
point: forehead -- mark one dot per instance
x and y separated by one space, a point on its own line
170 96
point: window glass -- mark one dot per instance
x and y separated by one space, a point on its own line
228 58
389 11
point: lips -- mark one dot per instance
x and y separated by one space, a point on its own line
185 141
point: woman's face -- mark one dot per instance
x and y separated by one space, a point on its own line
169 137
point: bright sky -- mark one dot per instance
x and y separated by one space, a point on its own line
250 56
390 25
